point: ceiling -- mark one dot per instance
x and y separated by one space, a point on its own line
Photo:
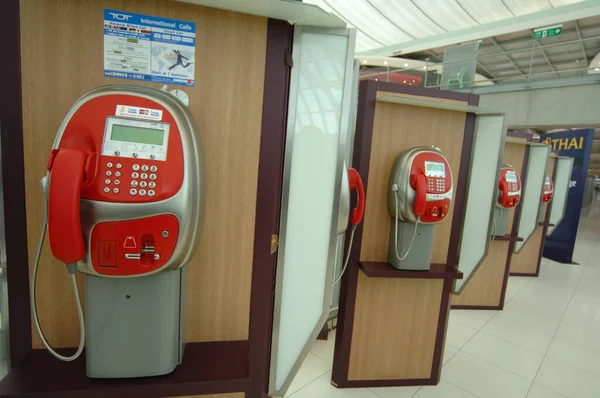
507 58
383 23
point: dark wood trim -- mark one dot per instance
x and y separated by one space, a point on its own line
324 333
15 225
508 238
545 224
427 92
361 159
385 383
461 193
523 274
375 269
478 307
440 337
268 202
362 154
207 368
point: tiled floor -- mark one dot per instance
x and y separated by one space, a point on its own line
545 344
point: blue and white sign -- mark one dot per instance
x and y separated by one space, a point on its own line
153 49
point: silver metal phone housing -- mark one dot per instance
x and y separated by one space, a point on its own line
400 175
187 204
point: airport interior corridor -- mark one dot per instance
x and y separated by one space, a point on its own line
544 344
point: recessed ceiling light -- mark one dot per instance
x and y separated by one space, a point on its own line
405 64
410 84
404 82
375 79
597 69
413 81
425 67
364 61
385 63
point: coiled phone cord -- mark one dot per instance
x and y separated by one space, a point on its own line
75 291
347 255
395 189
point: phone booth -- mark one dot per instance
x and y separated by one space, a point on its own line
124 202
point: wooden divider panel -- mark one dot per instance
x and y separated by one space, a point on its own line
410 308
528 258
62 58
485 287
232 395
396 128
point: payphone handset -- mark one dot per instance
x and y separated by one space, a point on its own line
124 189
509 188
548 190
420 186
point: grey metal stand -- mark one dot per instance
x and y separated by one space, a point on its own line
419 257
134 325
500 217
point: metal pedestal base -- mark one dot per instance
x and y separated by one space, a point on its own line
133 325
419 257
500 217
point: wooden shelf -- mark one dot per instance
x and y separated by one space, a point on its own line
508 238
376 269
207 368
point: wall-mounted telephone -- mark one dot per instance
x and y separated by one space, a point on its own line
509 188
350 181
419 192
124 204
548 190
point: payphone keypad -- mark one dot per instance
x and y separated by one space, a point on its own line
436 185
142 180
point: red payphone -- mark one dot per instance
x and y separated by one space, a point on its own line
420 192
124 204
509 188
548 190
350 181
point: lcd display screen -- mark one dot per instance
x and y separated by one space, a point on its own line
138 135
434 167
511 177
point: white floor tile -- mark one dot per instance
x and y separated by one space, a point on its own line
579 335
506 355
483 379
312 368
324 348
575 355
567 380
449 352
443 390
396 392
458 334
522 328
538 391
472 319
322 388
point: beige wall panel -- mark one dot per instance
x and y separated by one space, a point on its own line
62 58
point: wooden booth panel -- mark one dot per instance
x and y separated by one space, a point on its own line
62 58
514 154
410 308
395 129
526 261
485 287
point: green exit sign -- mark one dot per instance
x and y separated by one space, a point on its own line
549 31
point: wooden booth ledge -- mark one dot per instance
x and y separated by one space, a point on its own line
207 368
378 269
545 224
508 238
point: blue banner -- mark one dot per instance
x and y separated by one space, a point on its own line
576 144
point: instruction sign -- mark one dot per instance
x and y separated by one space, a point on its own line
143 47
